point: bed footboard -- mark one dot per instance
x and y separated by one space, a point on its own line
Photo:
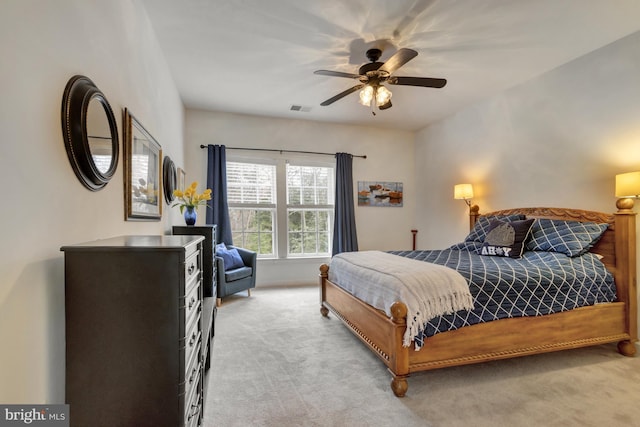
382 335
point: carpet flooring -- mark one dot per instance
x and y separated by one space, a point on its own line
277 362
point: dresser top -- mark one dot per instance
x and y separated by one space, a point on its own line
158 242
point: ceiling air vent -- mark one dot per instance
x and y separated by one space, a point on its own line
301 108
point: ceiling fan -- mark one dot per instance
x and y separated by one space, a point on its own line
372 76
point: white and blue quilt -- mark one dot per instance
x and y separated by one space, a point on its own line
537 284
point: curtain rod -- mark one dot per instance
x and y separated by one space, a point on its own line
283 151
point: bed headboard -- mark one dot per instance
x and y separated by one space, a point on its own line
617 245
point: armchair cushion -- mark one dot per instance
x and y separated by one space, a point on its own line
238 273
231 257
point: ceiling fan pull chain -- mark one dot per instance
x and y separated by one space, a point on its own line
373 102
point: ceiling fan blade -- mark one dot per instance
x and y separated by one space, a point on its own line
341 95
418 81
401 57
336 74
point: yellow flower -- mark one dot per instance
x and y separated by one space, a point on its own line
190 197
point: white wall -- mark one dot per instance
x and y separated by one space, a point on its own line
556 141
42 45
389 158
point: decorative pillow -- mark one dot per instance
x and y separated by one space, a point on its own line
571 238
467 246
506 238
481 227
231 257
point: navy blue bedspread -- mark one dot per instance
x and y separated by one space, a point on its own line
539 283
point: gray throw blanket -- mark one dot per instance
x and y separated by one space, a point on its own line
380 279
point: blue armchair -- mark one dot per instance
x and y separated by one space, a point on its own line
240 277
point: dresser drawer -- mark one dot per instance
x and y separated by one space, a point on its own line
194 366
193 415
191 269
193 406
192 306
192 342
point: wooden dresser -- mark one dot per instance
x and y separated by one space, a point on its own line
134 331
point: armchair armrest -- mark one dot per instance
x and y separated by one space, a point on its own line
220 263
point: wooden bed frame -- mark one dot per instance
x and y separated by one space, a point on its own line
505 338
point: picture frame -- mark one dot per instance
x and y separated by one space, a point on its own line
182 178
380 194
143 172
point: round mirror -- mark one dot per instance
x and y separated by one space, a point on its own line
90 133
170 178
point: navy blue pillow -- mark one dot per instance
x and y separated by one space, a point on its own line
571 238
483 223
466 246
231 257
506 238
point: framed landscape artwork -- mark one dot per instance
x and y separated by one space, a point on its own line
143 172
380 193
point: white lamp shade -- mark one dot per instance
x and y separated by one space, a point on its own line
383 95
628 184
463 191
366 95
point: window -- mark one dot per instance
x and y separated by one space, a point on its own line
309 210
281 210
251 194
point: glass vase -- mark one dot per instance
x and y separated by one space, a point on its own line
190 215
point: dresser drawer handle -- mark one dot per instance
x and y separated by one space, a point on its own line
194 413
191 269
192 340
193 375
193 301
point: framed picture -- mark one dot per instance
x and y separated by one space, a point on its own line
182 176
380 193
143 176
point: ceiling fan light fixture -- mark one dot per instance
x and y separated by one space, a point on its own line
366 95
383 96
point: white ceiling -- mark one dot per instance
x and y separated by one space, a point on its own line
258 56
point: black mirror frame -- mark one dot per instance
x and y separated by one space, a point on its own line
170 178
78 93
